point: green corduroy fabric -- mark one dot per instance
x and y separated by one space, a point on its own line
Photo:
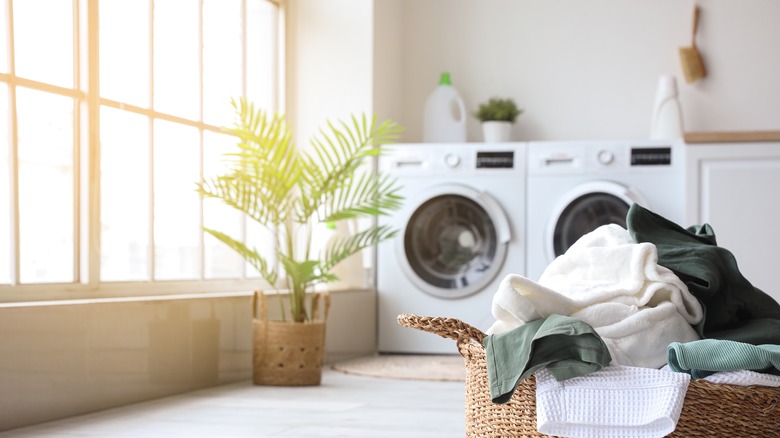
708 356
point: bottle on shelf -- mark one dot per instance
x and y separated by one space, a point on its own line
667 115
444 117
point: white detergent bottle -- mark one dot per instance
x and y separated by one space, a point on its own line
667 116
444 118
350 271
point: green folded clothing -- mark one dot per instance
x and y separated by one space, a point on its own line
709 356
566 346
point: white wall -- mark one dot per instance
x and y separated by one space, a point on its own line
388 56
329 71
585 69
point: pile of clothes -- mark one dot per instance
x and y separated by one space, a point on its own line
624 319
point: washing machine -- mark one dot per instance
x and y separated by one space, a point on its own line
575 187
461 230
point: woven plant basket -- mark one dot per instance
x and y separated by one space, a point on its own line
288 353
709 410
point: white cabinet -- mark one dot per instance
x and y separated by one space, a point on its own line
735 187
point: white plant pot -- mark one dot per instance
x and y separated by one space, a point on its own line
496 132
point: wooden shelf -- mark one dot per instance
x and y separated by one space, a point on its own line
731 136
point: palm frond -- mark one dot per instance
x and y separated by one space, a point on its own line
337 155
369 195
250 255
262 174
341 248
240 193
301 274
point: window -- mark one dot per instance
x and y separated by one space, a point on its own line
107 120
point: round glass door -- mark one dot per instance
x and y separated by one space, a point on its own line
584 215
586 208
452 247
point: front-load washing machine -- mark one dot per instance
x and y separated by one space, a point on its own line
461 230
575 187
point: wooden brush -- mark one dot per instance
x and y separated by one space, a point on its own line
692 65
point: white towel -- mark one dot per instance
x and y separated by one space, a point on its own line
739 378
616 286
744 378
617 401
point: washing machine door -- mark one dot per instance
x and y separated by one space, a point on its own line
455 241
585 208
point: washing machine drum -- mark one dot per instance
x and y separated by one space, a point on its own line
453 244
586 208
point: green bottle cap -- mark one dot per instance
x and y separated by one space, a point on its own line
445 79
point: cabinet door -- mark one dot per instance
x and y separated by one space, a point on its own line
738 188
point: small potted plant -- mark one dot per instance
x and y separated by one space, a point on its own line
288 191
497 116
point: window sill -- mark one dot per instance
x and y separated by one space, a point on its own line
140 290
81 301
69 294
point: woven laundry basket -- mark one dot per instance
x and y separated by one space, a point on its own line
709 410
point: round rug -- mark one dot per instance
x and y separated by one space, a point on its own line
406 366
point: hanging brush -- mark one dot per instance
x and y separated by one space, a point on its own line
692 65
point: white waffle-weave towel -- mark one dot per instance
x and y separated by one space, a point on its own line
740 378
618 401
744 378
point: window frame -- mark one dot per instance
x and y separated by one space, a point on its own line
86 164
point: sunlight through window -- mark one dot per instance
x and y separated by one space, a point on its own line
99 189
124 51
5 180
124 201
46 187
45 56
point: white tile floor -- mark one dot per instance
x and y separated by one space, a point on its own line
342 406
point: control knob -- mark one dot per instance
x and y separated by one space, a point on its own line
451 160
605 157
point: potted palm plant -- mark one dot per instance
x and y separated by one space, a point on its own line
289 191
497 116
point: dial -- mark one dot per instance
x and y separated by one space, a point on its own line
451 160
606 157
